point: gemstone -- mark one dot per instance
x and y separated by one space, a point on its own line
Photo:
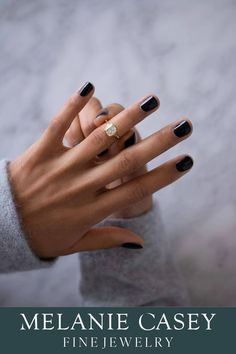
110 129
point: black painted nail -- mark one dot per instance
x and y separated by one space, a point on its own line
103 112
132 245
86 89
184 164
103 153
182 129
149 104
130 141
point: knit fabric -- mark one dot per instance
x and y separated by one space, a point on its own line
15 253
133 277
115 277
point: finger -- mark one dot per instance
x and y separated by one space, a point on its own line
74 134
98 140
102 116
129 139
107 237
83 124
143 186
123 143
107 113
134 157
88 114
59 125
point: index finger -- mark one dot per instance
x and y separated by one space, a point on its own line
62 121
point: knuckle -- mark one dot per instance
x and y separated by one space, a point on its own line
97 137
131 115
95 102
73 101
139 191
115 108
165 138
126 162
55 125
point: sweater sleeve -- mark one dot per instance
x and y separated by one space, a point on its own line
15 253
133 277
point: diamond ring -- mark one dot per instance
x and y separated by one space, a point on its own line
111 130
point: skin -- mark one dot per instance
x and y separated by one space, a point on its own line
61 192
84 124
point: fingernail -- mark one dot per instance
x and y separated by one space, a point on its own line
103 112
103 153
182 129
85 89
132 245
149 104
184 164
130 141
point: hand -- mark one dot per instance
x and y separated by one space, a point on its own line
60 192
92 116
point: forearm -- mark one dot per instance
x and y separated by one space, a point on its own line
124 277
15 253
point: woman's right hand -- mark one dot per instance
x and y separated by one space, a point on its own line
94 115
60 192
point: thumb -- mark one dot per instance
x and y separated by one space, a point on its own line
107 237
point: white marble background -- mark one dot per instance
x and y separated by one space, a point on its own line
183 50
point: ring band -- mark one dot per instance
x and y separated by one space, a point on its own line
111 129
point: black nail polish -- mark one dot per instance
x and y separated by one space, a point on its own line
132 245
86 89
184 164
149 104
103 153
130 141
182 129
103 112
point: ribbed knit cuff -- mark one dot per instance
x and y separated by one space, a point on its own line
133 277
15 253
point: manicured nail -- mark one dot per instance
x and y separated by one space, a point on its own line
184 164
103 112
149 104
85 89
132 245
130 141
103 153
182 129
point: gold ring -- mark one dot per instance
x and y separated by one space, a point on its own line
111 129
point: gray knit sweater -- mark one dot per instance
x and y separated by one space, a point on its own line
116 277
